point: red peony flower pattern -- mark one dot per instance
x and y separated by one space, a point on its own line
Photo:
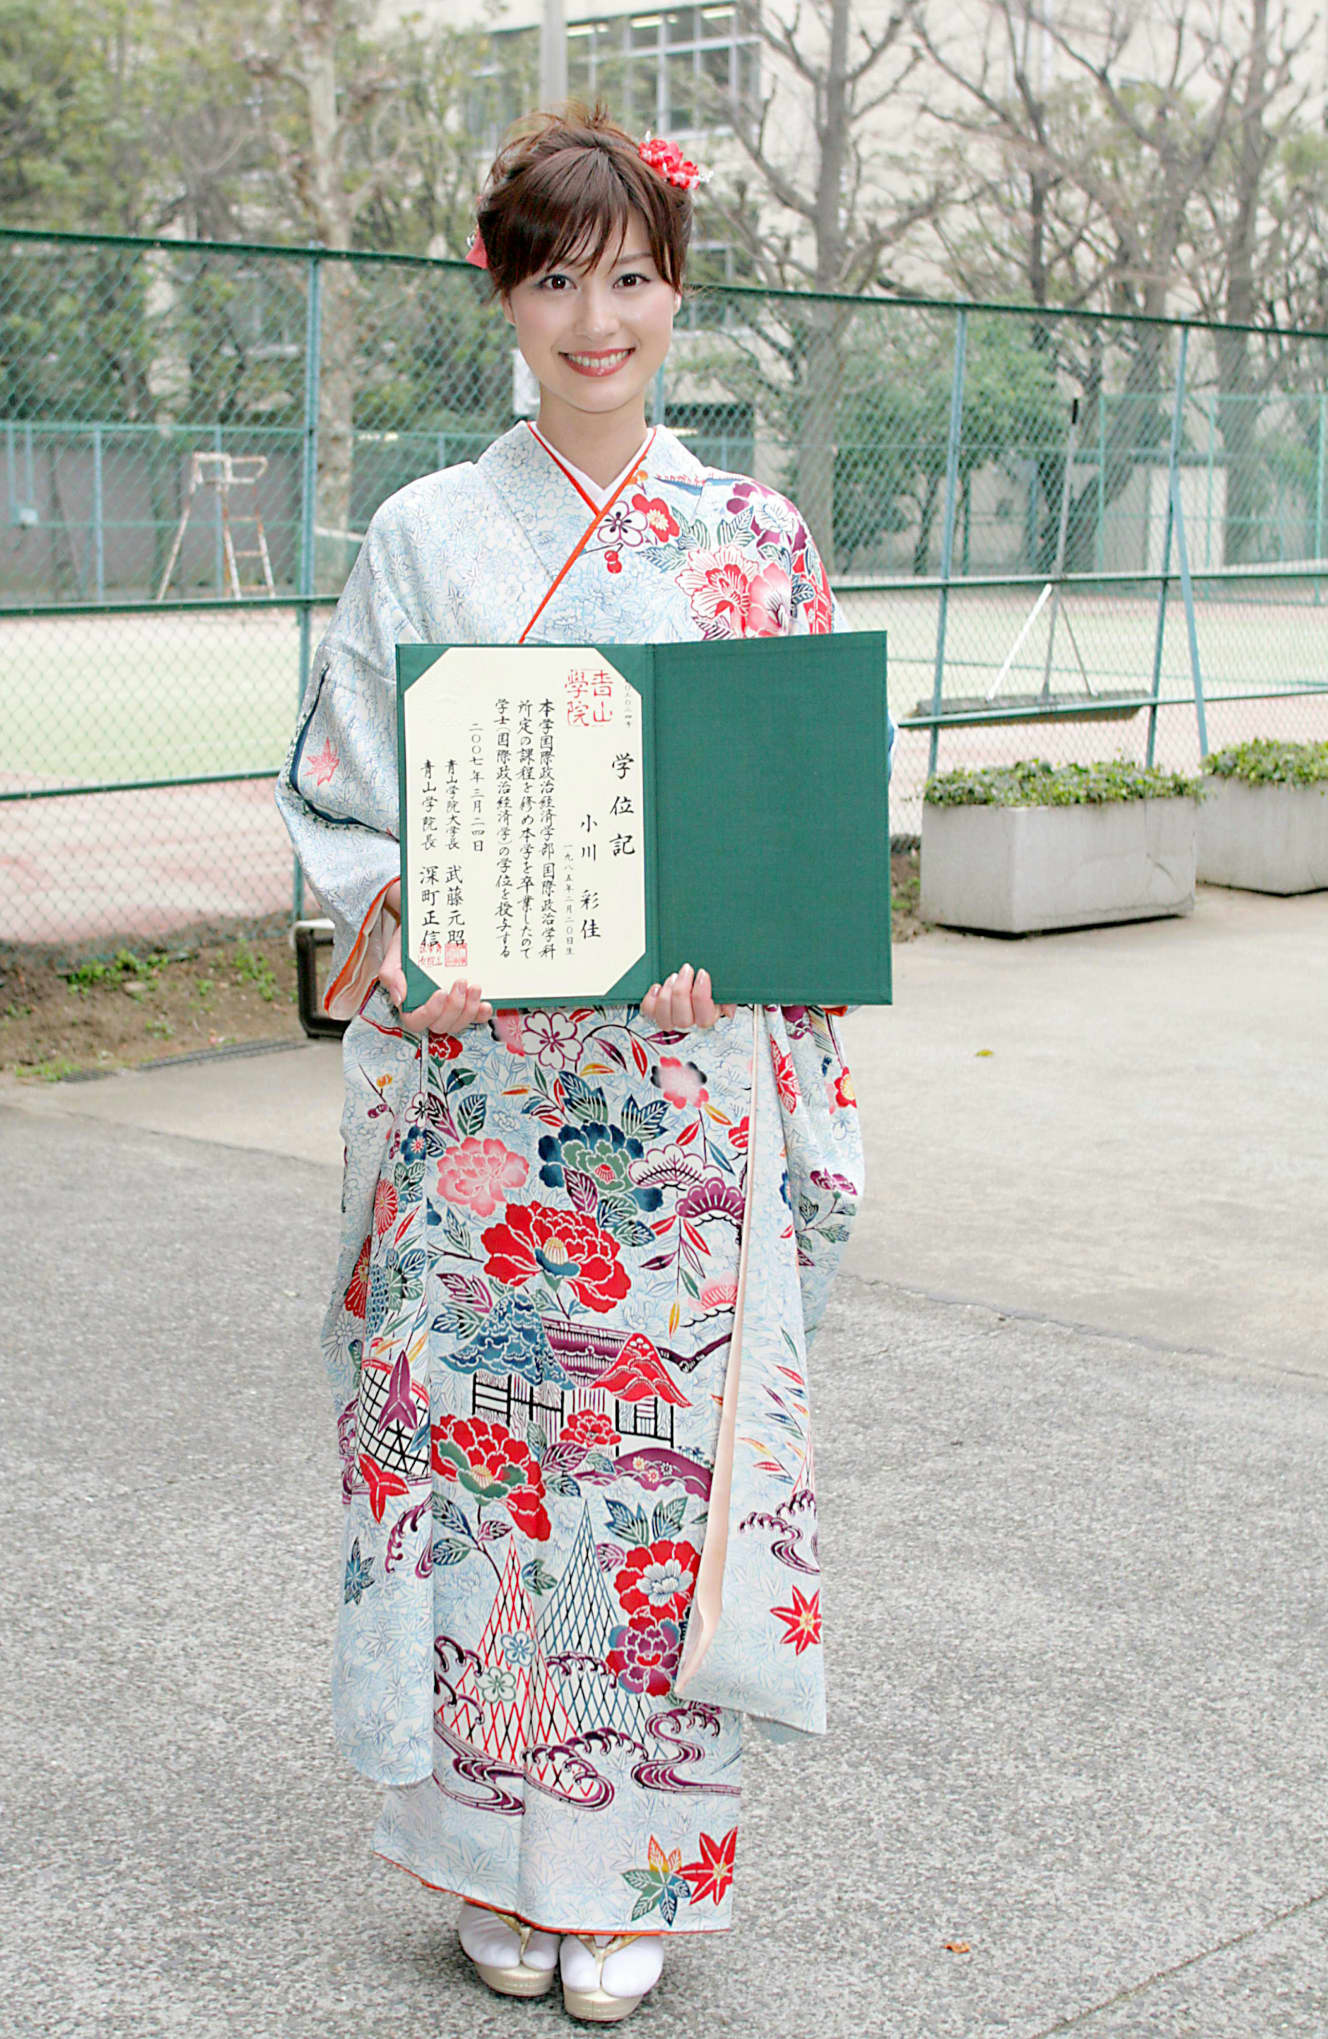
728 598
657 1580
538 1240
491 1463
590 1429
845 1094
769 603
480 1174
643 1655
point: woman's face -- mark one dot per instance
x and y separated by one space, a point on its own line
595 337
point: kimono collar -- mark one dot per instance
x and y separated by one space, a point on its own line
594 493
550 512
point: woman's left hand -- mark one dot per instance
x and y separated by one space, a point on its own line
683 1001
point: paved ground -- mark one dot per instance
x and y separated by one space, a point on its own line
1072 1429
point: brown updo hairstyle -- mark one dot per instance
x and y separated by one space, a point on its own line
564 187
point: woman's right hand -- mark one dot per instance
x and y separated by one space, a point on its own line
447 1012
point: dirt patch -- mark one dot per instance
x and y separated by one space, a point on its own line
61 1018
142 1004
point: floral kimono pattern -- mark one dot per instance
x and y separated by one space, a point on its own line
582 1257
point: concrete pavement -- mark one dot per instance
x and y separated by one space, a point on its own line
1123 1128
1071 1440
1144 1148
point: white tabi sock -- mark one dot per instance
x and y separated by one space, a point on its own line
630 1972
487 1937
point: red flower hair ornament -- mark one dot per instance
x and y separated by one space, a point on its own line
665 158
668 159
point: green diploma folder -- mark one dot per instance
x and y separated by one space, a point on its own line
577 822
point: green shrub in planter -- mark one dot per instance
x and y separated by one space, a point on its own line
1011 849
1035 783
1264 826
1266 762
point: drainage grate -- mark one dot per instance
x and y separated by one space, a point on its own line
228 1053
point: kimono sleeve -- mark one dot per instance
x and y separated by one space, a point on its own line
338 790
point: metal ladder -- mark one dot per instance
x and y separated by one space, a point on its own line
224 472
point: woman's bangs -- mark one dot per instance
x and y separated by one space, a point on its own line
585 237
584 213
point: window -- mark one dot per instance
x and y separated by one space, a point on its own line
675 71
505 86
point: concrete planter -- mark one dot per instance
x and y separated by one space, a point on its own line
1264 838
1015 870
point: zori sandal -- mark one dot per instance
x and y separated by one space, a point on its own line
515 1959
637 1960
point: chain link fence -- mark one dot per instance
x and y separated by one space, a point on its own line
1087 536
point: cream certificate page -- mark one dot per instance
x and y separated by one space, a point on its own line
524 837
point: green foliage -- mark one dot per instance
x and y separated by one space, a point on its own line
1035 783
251 968
54 1070
1266 761
124 968
894 423
122 116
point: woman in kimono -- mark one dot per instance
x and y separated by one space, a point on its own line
583 1250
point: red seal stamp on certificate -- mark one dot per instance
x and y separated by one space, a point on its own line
454 956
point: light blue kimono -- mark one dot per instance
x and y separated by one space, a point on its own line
549 1227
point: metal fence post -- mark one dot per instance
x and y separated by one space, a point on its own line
1177 413
1101 547
218 556
1208 498
313 334
1319 487
1187 595
947 534
98 515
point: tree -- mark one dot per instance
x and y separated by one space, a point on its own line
353 121
812 147
1125 164
1237 259
893 428
123 116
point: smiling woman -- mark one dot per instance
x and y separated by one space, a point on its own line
586 242
584 1250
